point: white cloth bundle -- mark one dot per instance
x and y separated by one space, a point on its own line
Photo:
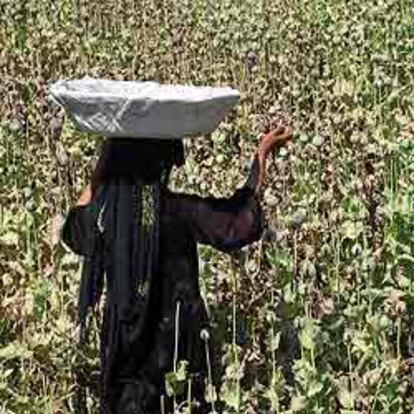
143 109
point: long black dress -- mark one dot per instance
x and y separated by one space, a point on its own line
138 333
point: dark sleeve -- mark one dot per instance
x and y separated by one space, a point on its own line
80 231
225 223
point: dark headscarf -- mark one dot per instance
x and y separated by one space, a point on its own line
146 159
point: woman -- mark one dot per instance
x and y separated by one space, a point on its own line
129 227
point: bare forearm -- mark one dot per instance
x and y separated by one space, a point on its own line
86 196
277 138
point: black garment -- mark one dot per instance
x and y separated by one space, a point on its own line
139 321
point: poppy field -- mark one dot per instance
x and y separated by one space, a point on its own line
318 316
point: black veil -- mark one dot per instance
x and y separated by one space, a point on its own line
123 221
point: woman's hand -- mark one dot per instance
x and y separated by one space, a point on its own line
277 138
85 197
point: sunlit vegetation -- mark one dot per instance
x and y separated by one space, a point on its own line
315 318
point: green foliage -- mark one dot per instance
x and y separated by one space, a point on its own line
175 381
316 318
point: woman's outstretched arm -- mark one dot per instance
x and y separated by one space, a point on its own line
231 223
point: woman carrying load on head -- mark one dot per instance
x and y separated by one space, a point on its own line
140 240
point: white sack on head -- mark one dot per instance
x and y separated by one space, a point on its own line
143 109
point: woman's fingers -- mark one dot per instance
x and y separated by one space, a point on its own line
281 133
278 130
276 138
